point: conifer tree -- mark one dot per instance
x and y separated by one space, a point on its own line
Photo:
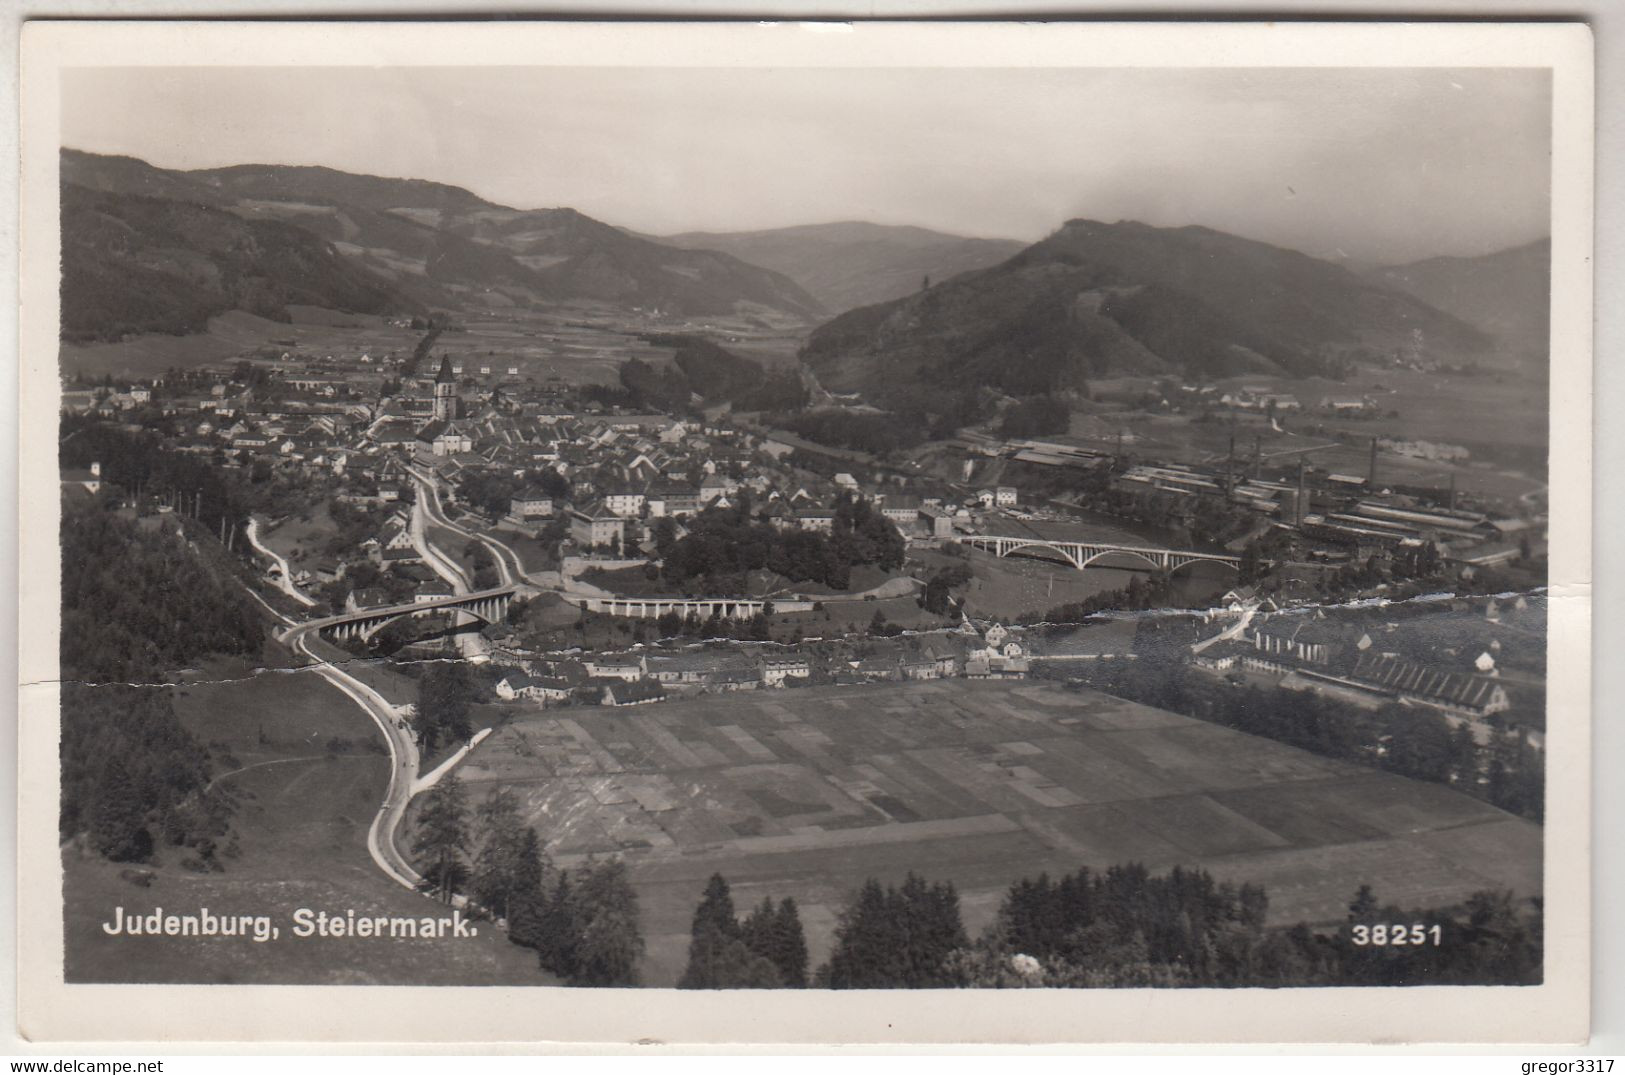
719 955
610 937
509 861
556 931
442 838
783 941
118 824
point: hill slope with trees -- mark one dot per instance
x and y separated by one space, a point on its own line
1095 300
402 245
1506 294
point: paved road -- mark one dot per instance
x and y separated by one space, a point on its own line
510 568
471 643
403 759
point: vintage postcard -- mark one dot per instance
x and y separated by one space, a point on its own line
975 533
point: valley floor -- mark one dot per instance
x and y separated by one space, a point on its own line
807 793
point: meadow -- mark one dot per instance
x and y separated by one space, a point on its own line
304 808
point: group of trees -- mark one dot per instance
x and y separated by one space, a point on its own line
858 431
900 937
702 368
768 950
139 601
1125 926
492 493
485 575
143 466
446 693
133 778
725 544
1154 591
938 596
584 925
1128 927
749 629
1410 740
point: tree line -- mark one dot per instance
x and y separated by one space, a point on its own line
1123 926
767 950
133 778
142 465
1412 741
138 602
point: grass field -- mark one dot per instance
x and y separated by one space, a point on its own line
535 555
298 539
807 793
302 823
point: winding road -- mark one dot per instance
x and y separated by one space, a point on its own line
403 757
285 583
510 567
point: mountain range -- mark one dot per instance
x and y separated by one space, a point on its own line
152 249
853 263
148 249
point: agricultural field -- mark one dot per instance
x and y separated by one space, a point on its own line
807 793
308 769
314 332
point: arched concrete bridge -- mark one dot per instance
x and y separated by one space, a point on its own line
487 605
1080 554
704 607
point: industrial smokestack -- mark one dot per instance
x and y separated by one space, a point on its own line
1371 475
1301 507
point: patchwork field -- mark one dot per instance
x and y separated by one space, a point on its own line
807 793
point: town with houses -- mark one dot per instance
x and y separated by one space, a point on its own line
559 496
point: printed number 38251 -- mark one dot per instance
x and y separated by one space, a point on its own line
1383 934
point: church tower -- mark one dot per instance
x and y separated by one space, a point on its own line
445 391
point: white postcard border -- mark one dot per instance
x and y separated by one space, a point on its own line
1556 1011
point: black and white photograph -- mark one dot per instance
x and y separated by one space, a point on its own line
664 515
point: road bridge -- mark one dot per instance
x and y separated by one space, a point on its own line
1080 554
487 605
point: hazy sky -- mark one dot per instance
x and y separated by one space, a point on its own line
1383 165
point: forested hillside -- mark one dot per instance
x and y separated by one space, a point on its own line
141 599
1097 300
137 601
133 264
155 250
1506 294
